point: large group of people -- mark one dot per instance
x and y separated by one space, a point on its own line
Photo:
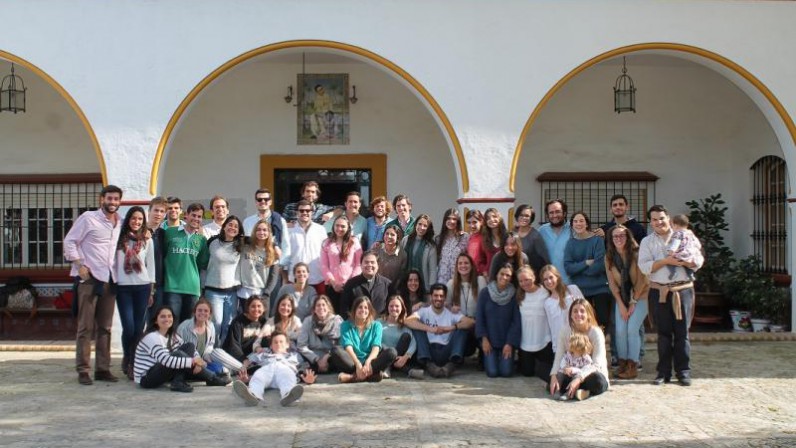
273 300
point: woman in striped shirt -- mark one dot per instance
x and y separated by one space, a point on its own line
161 356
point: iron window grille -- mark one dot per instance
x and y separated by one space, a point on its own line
591 192
38 212
769 199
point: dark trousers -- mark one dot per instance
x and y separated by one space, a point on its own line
157 302
602 303
272 296
403 344
159 374
594 383
538 363
335 297
340 361
673 343
401 348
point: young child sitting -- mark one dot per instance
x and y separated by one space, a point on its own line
280 369
577 363
683 245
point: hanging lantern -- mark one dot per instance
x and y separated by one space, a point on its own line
12 93
624 92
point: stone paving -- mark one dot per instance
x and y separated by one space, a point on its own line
743 395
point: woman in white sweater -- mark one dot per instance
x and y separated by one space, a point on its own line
161 356
592 381
536 348
135 277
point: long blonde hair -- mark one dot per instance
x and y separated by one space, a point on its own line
270 253
560 289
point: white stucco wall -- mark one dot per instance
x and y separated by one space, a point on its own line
130 63
218 144
693 129
48 138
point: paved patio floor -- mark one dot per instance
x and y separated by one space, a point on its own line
744 394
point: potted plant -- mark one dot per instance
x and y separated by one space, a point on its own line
708 219
773 307
750 290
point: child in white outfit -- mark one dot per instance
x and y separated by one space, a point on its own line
280 369
576 363
683 245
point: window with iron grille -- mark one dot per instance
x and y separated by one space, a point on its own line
769 199
38 211
592 192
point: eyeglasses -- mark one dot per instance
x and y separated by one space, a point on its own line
305 210
620 236
263 199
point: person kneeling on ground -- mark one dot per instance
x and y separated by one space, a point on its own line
280 369
161 356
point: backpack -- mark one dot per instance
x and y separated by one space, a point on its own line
20 294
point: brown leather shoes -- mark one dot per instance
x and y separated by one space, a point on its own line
105 376
84 379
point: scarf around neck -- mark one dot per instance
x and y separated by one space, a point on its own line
501 298
131 261
325 327
626 286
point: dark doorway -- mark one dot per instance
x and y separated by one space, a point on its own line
334 185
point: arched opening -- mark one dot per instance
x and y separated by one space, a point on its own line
52 171
702 121
238 114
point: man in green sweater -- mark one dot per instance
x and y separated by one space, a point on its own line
185 253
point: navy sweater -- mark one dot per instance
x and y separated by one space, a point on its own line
499 323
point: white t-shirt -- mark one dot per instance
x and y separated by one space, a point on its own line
211 230
535 329
443 319
558 318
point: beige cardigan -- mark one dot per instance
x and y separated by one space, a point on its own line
641 284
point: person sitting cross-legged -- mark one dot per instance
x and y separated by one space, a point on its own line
360 355
440 335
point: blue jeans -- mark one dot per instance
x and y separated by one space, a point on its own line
181 305
441 354
132 301
628 340
496 365
224 304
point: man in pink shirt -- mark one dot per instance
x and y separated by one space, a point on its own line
91 247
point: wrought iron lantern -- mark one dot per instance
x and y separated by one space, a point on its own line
12 96
624 92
